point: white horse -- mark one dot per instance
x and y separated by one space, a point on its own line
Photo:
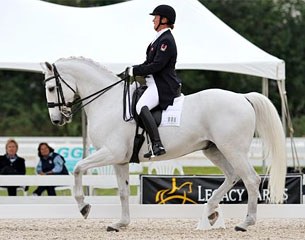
218 122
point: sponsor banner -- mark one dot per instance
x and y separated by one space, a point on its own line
72 155
183 189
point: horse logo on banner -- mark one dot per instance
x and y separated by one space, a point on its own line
167 195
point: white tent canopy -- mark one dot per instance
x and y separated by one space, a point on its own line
117 35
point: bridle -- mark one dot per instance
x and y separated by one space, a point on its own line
61 102
64 107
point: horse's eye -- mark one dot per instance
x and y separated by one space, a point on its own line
51 89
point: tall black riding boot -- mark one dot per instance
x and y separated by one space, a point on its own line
152 129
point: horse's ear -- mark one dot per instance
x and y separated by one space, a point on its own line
46 67
49 66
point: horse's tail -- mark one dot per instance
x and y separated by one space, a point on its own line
270 128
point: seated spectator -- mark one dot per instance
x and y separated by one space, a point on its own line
12 164
50 163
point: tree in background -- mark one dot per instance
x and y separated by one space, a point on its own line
277 26
23 107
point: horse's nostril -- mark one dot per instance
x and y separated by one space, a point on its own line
56 122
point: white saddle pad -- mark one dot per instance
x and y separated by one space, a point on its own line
172 115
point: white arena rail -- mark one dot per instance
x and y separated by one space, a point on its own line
28 150
109 207
103 181
111 211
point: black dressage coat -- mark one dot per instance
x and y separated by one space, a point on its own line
160 61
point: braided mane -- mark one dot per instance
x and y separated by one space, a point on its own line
90 63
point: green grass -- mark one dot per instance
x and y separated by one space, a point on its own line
133 189
210 170
201 170
30 171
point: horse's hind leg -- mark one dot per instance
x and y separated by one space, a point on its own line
231 178
122 173
251 181
242 167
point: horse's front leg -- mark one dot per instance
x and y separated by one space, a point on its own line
122 174
100 158
83 207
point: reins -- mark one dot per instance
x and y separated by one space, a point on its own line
127 94
96 94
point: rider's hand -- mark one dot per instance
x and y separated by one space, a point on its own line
129 71
126 74
129 74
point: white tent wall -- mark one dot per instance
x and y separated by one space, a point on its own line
117 35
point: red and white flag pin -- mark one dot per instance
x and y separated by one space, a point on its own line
163 47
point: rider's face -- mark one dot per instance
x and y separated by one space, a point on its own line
156 22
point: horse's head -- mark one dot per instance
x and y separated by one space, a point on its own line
60 93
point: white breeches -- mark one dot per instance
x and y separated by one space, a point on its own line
150 97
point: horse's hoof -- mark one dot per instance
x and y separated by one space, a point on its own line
85 210
111 229
213 218
240 229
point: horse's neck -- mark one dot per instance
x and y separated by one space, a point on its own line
91 80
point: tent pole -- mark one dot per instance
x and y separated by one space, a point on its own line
265 87
287 126
265 91
283 88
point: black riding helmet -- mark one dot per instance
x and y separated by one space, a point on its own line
165 11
